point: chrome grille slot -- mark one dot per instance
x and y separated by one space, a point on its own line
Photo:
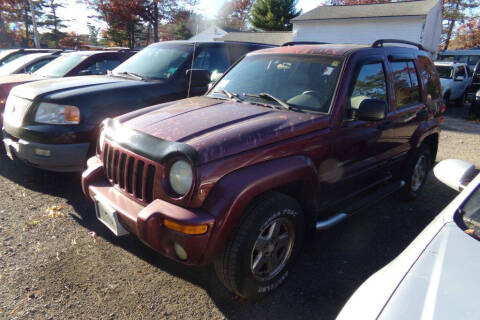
130 174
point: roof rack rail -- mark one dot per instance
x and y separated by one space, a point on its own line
379 43
295 43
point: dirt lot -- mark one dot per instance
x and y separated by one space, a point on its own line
61 264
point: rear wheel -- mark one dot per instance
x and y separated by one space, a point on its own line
460 102
263 247
446 99
416 171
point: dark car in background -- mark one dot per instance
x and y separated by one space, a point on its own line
8 55
67 65
53 124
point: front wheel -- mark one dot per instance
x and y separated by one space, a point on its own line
263 247
416 171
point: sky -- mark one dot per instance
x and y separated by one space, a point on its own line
77 14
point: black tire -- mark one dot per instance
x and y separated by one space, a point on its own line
446 99
460 102
413 185
234 265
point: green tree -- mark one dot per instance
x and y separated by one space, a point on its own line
92 34
273 15
53 22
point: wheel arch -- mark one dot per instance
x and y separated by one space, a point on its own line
295 176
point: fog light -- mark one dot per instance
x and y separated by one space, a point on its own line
42 152
181 253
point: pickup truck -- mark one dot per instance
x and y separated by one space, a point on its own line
455 79
290 141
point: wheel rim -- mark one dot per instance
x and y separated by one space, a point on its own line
272 249
419 173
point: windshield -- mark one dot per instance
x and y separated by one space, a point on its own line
306 82
445 72
156 61
60 66
471 214
17 64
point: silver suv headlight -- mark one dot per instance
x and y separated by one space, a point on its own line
180 177
52 113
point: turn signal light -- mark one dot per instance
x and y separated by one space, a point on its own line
185 228
444 107
72 114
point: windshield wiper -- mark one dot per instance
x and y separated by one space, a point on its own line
268 96
230 95
130 74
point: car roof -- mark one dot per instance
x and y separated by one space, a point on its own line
318 49
90 52
214 42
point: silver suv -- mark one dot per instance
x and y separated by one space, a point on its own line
454 78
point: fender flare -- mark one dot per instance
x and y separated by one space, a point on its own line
235 191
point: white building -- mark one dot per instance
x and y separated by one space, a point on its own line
211 34
417 21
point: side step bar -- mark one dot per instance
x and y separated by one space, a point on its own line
357 206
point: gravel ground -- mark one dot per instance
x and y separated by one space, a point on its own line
58 262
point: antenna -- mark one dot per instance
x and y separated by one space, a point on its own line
191 70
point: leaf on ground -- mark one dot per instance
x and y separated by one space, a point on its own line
32 223
55 212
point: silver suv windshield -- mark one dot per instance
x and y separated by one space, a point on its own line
157 61
303 82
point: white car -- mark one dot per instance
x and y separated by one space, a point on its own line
454 78
437 275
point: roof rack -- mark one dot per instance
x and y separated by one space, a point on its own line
379 43
295 43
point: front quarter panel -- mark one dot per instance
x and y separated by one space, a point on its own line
233 193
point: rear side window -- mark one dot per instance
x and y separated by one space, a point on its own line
214 59
37 65
407 91
102 66
370 84
430 78
460 71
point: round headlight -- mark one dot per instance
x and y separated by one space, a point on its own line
477 95
181 177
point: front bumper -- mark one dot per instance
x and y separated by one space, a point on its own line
52 157
146 222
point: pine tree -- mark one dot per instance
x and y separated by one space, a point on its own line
273 15
53 21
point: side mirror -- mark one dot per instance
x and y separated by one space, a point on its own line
85 72
215 76
199 77
459 78
454 173
372 110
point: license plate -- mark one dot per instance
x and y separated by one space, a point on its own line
109 217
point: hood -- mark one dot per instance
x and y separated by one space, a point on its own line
7 82
34 89
17 78
219 128
443 283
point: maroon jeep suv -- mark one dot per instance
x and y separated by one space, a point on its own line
290 140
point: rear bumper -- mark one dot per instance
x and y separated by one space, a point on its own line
52 157
146 222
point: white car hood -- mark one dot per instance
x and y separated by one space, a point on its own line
443 283
433 278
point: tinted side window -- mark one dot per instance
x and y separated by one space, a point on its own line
460 71
214 59
415 82
370 84
101 66
430 78
406 92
